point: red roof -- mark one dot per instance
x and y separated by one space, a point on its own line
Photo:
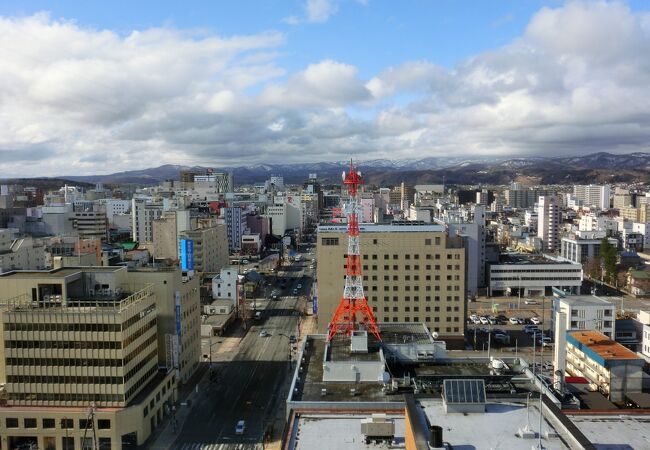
576 380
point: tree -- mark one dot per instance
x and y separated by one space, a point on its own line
609 258
592 267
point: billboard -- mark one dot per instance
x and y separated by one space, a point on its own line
177 309
186 251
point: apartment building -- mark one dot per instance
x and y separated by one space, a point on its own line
143 213
586 312
77 339
20 253
411 273
610 368
548 222
235 219
90 224
593 195
167 230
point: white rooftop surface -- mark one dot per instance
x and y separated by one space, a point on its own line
586 300
615 432
495 429
340 432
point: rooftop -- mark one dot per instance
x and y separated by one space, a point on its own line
586 300
382 228
404 333
602 346
527 258
617 431
58 273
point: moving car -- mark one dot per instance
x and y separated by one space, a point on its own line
530 302
240 427
264 333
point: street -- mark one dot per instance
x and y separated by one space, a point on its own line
251 386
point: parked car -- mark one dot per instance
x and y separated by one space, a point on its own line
521 320
513 321
502 338
264 333
292 339
530 302
492 320
484 320
299 286
476 320
240 427
535 320
529 329
473 316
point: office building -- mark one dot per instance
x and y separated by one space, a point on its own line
592 195
75 339
610 368
621 198
166 231
532 275
548 223
411 273
522 197
583 246
210 247
235 219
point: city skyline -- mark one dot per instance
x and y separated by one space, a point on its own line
99 90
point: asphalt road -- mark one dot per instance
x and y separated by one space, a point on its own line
251 387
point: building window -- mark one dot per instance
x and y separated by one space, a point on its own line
49 423
374 241
67 423
330 241
67 443
427 242
30 423
11 422
104 424
104 443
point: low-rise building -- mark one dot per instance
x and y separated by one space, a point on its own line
583 246
20 253
644 318
610 368
532 275
586 312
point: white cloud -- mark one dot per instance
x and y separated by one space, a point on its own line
75 100
316 11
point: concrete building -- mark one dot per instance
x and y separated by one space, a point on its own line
592 195
610 368
412 273
469 224
583 246
621 198
548 228
644 318
20 253
115 207
90 224
143 213
224 285
585 312
179 317
532 275
210 247
235 219
167 230
75 338
522 197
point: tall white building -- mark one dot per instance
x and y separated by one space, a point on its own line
143 213
548 218
593 195
115 207
586 312
224 285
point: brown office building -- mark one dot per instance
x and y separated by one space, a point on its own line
411 273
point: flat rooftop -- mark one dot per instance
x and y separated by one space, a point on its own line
58 273
404 333
586 300
525 258
616 431
602 346
382 228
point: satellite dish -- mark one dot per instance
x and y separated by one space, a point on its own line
435 335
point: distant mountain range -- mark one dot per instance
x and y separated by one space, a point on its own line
594 168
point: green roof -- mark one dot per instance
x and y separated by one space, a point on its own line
640 274
128 245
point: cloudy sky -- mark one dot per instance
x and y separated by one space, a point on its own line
90 90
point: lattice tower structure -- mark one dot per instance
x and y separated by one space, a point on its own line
354 300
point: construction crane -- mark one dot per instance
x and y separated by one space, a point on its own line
354 300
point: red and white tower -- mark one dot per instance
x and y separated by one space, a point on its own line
354 301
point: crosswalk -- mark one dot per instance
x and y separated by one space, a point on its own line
220 446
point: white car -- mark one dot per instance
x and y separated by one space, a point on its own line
535 320
513 321
299 285
473 316
530 302
241 426
476 320
484 320
264 333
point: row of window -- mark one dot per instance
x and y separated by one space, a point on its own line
49 423
143 379
65 362
535 279
83 399
416 319
83 327
407 256
536 270
408 277
133 320
417 309
408 267
95 345
54 379
335 241
416 288
142 330
416 298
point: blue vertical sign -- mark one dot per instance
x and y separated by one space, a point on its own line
186 247
177 304
314 301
